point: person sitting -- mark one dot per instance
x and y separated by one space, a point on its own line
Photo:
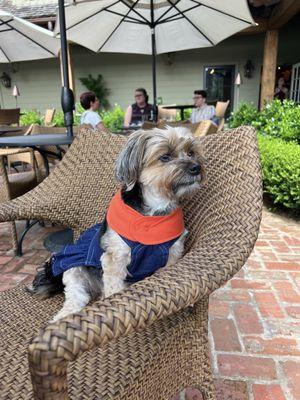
91 104
202 111
140 111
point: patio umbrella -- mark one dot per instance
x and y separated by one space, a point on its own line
21 40
154 26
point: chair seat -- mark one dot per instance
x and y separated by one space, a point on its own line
118 371
19 183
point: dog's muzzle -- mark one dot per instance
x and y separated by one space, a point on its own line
194 169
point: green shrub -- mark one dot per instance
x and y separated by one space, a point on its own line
97 85
277 119
58 119
281 171
186 114
31 117
113 120
245 115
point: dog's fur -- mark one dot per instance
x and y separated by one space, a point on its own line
156 169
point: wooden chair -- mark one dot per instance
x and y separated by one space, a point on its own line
166 115
221 108
49 115
9 116
151 340
16 184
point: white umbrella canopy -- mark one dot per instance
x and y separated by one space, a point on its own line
126 26
21 40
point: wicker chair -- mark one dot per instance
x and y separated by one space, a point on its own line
15 185
150 340
221 108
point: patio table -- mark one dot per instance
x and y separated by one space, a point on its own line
37 142
181 107
8 129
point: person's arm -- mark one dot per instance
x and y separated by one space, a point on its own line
212 112
192 117
128 116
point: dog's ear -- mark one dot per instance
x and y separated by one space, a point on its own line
130 161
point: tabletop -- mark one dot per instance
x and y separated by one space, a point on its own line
179 107
6 129
57 139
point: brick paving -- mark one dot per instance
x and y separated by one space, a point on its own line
254 319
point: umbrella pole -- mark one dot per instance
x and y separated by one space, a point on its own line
152 26
155 113
67 97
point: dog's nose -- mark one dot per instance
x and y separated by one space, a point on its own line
195 169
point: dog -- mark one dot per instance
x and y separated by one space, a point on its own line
156 170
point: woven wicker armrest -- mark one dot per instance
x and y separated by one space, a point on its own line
174 288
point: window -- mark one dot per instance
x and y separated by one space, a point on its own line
219 84
295 84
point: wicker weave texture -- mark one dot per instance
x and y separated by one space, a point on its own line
223 219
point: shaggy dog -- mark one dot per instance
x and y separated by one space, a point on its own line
143 230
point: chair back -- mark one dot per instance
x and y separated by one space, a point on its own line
165 114
84 181
9 116
49 115
221 108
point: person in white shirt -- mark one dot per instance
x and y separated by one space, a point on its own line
202 111
91 104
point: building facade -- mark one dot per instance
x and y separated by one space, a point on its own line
178 74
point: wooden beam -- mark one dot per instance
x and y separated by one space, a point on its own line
283 12
254 29
71 71
269 67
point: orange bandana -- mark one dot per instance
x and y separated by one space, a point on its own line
148 230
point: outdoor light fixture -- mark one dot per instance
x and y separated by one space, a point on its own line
6 80
238 80
248 69
16 93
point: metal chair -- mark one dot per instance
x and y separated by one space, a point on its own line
149 341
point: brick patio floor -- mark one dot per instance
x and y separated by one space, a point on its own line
254 319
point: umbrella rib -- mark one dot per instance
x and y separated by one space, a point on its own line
32 40
222 12
6 30
5 55
133 20
131 8
5 22
192 23
120 22
166 12
92 15
168 19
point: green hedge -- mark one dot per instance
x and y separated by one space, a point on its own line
277 119
281 171
112 119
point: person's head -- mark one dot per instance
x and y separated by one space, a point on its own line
89 101
199 97
141 96
281 81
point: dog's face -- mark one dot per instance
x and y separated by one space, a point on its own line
167 160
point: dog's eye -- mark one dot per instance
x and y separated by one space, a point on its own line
165 158
191 153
